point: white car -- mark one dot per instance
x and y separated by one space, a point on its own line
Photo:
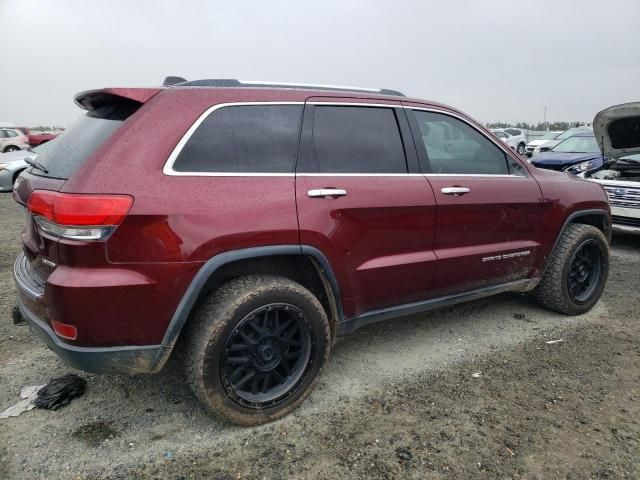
539 141
513 137
12 139
617 130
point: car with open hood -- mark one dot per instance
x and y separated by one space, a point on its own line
617 130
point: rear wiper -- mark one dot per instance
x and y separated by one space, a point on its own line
35 164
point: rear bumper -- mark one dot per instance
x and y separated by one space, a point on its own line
128 360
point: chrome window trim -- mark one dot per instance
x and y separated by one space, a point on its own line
169 171
359 174
168 166
492 175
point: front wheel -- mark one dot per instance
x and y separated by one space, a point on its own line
577 272
11 148
521 148
256 347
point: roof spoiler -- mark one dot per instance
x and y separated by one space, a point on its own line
92 99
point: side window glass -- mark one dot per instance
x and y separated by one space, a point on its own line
244 139
466 151
356 140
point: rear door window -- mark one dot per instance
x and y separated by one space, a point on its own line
244 139
70 149
348 139
466 152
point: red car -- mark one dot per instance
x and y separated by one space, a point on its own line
252 223
36 139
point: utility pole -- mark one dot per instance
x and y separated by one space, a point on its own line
546 125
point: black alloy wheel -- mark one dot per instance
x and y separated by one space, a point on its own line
584 272
266 355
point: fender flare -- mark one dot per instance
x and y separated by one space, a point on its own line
201 278
570 219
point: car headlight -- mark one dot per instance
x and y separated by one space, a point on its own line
3 166
580 167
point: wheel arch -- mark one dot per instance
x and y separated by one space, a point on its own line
18 172
303 264
598 218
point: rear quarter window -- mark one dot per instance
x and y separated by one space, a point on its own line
243 139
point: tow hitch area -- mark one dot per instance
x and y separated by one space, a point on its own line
17 317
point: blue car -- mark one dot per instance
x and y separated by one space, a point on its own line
576 154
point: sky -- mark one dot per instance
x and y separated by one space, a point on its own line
495 60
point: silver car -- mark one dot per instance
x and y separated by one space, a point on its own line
13 163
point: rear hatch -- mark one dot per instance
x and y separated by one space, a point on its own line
107 111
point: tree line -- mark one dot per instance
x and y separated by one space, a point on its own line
554 126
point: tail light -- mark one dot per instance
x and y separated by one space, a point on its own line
78 216
64 330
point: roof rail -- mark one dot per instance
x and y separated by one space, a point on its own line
229 82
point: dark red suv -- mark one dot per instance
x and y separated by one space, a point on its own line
249 224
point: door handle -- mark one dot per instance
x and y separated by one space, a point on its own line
455 190
326 192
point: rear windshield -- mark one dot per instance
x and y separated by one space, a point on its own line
68 151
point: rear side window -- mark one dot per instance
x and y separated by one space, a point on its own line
467 152
244 139
356 140
70 149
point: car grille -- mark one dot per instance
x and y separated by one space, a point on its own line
626 197
626 221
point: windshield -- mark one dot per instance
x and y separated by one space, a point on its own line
578 145
549 136
571 132
71 148
500 134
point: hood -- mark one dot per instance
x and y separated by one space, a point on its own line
535 143
617 130
563 158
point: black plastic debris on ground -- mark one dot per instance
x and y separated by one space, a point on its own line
60 391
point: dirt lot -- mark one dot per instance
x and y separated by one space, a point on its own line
397 400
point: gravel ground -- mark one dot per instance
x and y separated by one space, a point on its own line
467 392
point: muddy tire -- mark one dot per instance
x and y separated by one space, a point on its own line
577 272
255 349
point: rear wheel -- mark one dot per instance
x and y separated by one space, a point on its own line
11 148
521 148
255 349
16 175
577 272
